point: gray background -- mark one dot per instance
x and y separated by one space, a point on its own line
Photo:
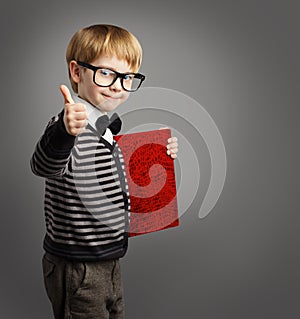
239 60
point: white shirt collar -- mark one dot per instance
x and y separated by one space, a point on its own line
93 114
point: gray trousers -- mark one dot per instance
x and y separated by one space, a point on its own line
83 290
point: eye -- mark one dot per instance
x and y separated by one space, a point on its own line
105 72
128 77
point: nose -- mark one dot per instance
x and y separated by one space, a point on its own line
116 86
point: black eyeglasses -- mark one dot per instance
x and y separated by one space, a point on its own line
106 77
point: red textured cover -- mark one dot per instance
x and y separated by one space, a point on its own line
152 187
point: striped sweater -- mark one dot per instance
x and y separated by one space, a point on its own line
86 194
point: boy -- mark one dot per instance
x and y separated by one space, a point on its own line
86 196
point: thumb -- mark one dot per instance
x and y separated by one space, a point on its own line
66 94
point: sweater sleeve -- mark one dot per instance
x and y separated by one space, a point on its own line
53 150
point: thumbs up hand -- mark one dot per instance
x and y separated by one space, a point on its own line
75 116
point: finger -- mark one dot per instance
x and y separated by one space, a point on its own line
172 151
79 116
172 154
172 145
78 108
80 124
172 139
76 127
76 131
66 94
75 112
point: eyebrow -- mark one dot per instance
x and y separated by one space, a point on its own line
113 69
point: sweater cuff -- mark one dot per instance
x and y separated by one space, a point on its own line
61 141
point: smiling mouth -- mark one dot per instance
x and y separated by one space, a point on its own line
110 97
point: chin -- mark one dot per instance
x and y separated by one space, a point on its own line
106 108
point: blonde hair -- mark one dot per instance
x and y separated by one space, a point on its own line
91 42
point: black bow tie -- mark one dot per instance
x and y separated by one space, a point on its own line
114 124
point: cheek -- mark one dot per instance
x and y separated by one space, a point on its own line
125 96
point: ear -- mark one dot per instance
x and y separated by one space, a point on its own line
74 71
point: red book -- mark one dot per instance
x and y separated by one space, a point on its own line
151 181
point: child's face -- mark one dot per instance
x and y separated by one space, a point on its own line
106 99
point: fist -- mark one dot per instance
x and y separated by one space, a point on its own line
75 116
172 147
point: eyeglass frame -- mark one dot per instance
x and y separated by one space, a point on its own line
117 75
